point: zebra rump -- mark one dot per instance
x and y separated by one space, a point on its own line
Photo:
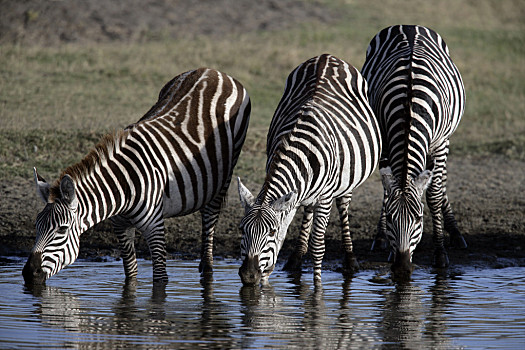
323 142
417 94
175 160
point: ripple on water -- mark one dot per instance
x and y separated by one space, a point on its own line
88 304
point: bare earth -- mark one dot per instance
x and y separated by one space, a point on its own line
487 193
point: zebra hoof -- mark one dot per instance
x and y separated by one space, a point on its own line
379 244
457 241
350 265
160 280
294 263
441 259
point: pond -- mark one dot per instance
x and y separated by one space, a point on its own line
89 305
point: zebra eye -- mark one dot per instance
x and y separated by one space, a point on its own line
62 229
272 232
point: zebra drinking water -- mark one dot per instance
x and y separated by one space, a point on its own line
323 142
418 96
175 160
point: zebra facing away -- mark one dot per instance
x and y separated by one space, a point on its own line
323 142
175 160
418 96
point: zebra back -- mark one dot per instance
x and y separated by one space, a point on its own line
416 92
325 106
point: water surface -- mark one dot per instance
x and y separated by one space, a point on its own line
89 305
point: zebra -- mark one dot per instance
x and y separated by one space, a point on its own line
177 159
322 143
417 94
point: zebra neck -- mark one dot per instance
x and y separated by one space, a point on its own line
101 194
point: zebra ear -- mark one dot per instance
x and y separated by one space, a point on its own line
422 181
245 196
42 187
285 203
388 178
67 190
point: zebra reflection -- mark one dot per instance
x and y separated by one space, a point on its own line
301 317
132 321
409 321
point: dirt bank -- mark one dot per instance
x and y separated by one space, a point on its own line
487 195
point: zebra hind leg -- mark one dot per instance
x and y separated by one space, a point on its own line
295 260
350 264
126 236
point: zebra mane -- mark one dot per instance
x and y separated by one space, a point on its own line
410 33
280 152
95 158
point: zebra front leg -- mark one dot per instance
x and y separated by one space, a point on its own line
350 264
451 226
435 201
321 216
295 260
380 240
126 236
153 232
209 217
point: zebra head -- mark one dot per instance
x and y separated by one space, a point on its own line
263 228
404 218
57 231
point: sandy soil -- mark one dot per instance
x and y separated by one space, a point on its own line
487 193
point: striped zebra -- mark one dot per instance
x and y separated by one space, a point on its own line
175 160
323 142
418 96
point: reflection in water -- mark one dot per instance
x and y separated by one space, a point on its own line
57 309
301 317
435 311
151 324
408 322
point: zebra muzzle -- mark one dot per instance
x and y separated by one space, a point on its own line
32 272
402 267
249 271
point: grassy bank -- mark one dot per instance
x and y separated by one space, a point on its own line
55 102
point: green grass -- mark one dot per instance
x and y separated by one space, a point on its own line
56 102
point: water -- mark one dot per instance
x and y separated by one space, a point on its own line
88 305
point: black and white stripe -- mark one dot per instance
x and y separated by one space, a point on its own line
323 142
176 160
418 96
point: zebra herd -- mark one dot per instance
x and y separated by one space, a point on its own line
331 129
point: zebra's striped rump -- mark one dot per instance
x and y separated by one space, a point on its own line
418 97
177 159
322 143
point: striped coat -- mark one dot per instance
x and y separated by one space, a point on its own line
175 160
418 96
323 142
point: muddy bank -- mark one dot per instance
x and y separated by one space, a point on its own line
486 193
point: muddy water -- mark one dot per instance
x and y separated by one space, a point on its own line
89 305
